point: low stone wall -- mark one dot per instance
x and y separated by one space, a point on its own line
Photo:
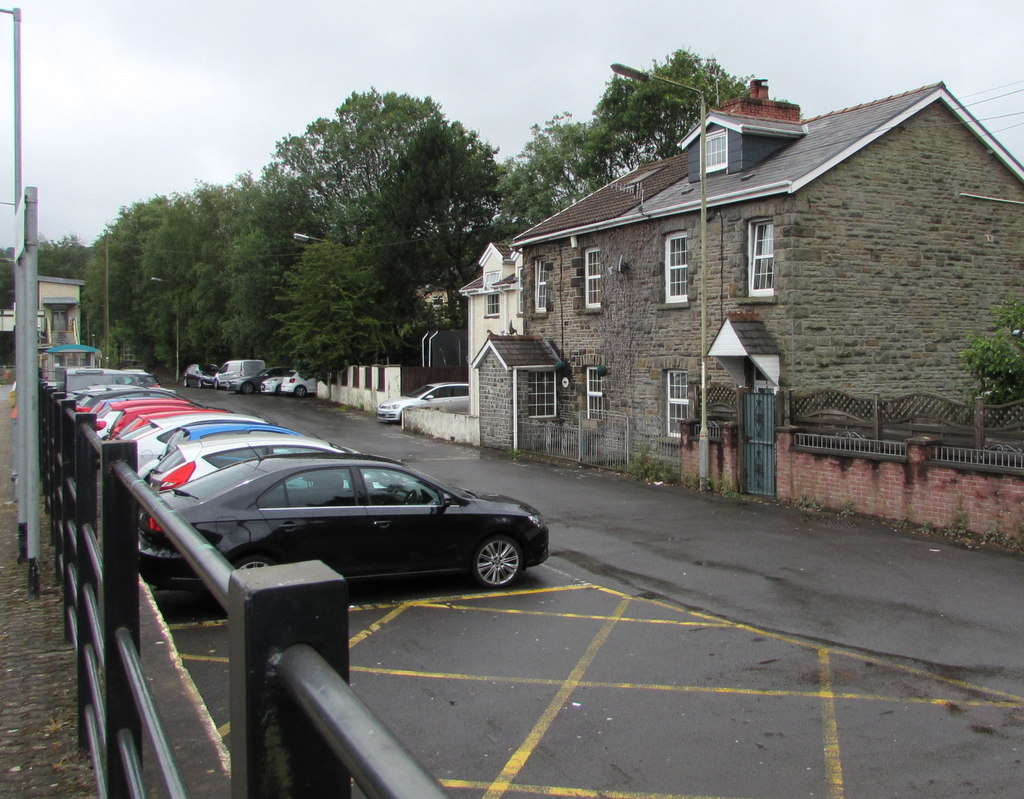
458 428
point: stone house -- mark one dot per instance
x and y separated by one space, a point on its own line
856 250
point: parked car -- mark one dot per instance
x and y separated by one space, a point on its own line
198 376
253 383
114 416
450 396
192 459
148 379
294 383
90 399
209 427
231 373
151 438
78 377
364 517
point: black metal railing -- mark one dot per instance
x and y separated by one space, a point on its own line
298 730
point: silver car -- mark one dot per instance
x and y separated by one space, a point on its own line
452 397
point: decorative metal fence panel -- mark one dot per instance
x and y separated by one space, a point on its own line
759 444
610 443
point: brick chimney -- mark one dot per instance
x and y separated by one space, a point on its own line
759 106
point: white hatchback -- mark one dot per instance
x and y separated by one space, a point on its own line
191 459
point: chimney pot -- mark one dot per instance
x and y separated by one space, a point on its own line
759 89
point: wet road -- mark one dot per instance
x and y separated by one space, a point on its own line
681 645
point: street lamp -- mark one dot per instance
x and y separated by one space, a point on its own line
643 77
177 340
305 238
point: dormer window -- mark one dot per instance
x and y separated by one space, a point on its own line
718 150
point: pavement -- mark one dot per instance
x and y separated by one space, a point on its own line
39 751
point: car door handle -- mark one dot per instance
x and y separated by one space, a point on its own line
382 523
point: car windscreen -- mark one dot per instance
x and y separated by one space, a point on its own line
422 390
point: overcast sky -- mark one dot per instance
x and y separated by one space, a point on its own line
127 99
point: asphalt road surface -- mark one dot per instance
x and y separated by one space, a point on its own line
676 644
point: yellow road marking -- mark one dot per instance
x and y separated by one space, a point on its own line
829 727
518 760
560 791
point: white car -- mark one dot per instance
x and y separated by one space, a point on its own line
294 383
151 439
453 397
191 459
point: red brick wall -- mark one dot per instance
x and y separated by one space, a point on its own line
913 491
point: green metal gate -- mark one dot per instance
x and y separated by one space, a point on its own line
759 442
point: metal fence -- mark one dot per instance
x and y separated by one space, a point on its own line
611 442
297 728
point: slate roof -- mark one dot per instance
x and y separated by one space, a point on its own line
826 141
754 336
519 351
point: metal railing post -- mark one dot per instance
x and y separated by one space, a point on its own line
275 749
120 610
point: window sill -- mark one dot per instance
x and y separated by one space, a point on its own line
768 299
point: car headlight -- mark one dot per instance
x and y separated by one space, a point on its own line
535 520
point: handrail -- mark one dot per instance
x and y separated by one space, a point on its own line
286 671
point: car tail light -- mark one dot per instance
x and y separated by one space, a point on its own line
291 379
176 477
153 526
100 424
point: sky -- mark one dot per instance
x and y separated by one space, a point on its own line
124 100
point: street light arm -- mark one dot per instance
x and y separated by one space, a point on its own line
643 77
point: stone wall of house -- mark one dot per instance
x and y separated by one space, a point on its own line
495 404
882 272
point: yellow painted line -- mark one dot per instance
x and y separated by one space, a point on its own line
585 616
207 658
518 760
439 600
364 634
564 792
198 625
683 689
830 728
224 729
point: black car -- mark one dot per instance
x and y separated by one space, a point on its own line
364 517
198 375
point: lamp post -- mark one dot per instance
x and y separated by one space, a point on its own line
702 447
307 239
177 341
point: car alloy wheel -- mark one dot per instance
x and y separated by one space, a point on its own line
247 387
253 562
497 562
300 391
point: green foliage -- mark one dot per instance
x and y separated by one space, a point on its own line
633 123
645 466
996 362
330 296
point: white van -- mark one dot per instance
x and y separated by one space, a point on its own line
231 373
76 378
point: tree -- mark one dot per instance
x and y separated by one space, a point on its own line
632 124
549 174
434 217
996 362
331 297
339 163
639 122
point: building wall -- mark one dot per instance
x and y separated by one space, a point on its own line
882 272
496 417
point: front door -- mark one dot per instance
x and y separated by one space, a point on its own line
759 442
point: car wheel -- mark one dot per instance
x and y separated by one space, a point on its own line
300 391
253 562
247 387
497 562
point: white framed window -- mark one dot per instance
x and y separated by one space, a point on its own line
597 407
519 290
676 268
492 304
541 394
677 399
718 150
762 259
541 291
592 259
